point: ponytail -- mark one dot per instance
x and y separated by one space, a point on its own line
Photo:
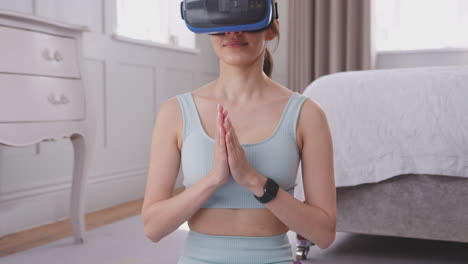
268 63
268 58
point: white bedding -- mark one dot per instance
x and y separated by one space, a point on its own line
398 121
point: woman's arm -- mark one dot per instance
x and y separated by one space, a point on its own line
316 218
163 217
162 212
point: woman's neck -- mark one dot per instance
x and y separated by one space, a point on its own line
240 84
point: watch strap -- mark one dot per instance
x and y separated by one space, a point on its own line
270 190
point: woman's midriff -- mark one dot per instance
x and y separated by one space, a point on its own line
236 222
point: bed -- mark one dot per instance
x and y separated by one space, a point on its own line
400 142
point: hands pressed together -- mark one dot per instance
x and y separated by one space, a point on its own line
229 156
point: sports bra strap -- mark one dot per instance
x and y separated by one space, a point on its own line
292 114
189 112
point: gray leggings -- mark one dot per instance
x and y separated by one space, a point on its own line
202 249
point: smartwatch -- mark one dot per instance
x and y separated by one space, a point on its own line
270 190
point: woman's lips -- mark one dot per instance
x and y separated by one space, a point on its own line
235 44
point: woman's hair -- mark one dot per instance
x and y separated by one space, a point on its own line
268 59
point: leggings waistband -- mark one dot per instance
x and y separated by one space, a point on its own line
271 238
203 248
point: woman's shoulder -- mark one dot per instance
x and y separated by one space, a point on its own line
170 107
311 119
170 114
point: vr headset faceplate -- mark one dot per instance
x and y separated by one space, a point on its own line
220 16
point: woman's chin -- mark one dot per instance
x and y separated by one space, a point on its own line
238 60
240 64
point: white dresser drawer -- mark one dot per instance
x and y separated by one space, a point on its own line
30 52
34 98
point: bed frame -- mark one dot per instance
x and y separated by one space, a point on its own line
410 205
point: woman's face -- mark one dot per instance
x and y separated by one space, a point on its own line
242 47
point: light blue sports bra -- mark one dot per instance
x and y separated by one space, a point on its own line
276 157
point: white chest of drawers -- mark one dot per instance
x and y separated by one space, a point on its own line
43 94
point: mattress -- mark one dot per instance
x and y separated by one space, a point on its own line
392 122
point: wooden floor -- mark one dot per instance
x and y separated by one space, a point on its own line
38 236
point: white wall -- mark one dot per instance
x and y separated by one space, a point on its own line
130 82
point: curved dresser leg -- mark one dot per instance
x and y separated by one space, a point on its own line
81 168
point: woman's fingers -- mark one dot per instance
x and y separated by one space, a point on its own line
226 125
217 132
220 125
223 134
233 136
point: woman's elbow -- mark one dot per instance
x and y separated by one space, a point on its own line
330 236
151 234
149 230
326 242
152 237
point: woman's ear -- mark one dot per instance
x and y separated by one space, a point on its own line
270 32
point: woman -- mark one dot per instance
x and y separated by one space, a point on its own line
226 162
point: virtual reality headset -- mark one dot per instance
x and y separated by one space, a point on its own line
220 16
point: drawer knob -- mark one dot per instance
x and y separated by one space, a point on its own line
58 56
46 54
61 100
